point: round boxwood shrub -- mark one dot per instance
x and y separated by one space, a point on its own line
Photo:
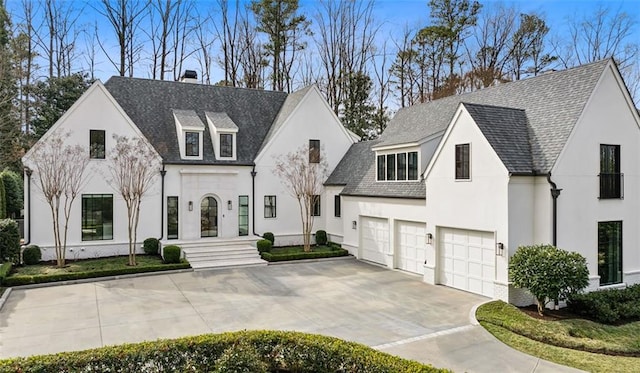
264 246
172 254
32 255
321 237
241 357
9 240
151 246
269 236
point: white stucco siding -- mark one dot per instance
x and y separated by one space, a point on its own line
479 204
607 119
94 110
334 225
521 212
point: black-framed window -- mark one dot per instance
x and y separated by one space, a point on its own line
382 169
192 144
96 144
269 206
226 145
391 166
401 161
463 171
315 205
314 151
336 206
172 217
97 217
610 176
412 166
243 215
610 252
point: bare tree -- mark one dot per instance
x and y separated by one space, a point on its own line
229 34
252 61
205 42
303 178
60 173
59 43
382 84
134 165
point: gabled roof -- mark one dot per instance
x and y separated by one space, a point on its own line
221 120
553 102
149 104
188 118
507 131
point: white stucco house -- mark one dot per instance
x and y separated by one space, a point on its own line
454 186
216 187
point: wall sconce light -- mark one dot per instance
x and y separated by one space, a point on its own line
429 238
500 249
229 205
190 205
354 224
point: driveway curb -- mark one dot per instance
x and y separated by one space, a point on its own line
4 297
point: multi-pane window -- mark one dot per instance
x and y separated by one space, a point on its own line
401 162
382 169
172 217
610 177
243 215
226 145
391 166
462 162
269 206
314 151
97 217
412 166
192 144
315 205
397 166
96 144
336 206
610 252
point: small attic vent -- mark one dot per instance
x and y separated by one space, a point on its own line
189 76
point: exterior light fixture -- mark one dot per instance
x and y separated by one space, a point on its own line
190 205
500 249
429 238
229 205
354 224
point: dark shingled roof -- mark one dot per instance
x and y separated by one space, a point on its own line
150 104
553 103
507 131
357 172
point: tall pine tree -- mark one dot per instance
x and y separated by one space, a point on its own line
9 123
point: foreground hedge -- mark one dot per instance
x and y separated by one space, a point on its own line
5 268
17 280
271 257
608 306
279 351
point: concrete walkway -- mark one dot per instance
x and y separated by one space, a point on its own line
392 311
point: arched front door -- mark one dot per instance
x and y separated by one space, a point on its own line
209 217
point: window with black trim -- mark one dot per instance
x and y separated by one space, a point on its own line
463 171
611 180
243 215
269 206
96 144
336 206
412 166
610 252
172 217
226 145
315 205
391 166
401 161
382 169
192 144
314 151
97 217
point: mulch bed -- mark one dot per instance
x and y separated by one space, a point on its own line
549 314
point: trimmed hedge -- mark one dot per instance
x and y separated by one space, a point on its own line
5 268
151 246
39 279
270 257
279 351
9 240
264 246
171 254
321 237
612 306
269 236
31 255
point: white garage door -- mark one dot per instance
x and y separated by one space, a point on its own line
467 260
374 239
410 246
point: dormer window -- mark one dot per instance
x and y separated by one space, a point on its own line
399 166
223 135
226 145
192 144
190 129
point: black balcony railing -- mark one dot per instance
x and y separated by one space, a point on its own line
611 185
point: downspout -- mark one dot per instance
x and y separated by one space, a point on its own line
163 172
28 172
253 200
555 193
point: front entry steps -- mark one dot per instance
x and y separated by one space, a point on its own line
221 253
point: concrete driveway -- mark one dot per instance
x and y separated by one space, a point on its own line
389 310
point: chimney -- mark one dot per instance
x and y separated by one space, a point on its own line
189 76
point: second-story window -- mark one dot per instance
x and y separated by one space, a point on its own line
314 151
463 169
96 144
192 144
226 145
610 176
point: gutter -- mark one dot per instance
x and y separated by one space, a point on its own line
555 193
253 200
163 173
28 172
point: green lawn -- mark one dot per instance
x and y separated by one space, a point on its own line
87 265
572 342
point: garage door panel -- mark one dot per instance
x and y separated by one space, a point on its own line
374 239
410 248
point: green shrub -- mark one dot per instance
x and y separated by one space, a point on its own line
9 240
32 255
271 257
611 306
5 268
172 254
269 236
241 358
264 246
549 273
281 351
3 201
151 246
14 192
334 245
321 237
